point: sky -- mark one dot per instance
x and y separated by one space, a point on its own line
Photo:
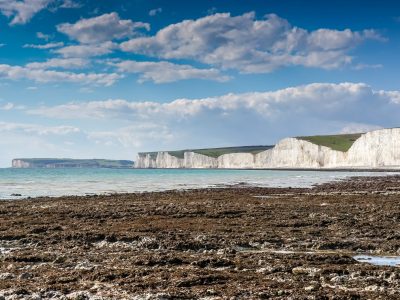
111 78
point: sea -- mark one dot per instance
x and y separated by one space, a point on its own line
23 183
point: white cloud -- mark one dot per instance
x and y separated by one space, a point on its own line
42 36
45 46
42 75
392 96
103 28
133 136
63 63
70 4
7 106
87 50
318 98
162 72
358 128
155 11
37 129
21 11
250 45
367 66
315 106
234 119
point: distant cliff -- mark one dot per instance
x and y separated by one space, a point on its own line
70 163
379 149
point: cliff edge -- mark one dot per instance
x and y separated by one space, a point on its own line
379 149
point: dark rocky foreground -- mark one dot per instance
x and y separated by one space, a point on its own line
204 244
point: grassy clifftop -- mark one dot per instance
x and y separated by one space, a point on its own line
339 142
215 152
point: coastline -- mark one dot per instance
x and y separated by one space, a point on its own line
378 170
204 243
24 183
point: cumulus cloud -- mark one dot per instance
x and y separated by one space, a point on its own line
7 106
103 28
163 72
133 136
359 67
44 76
155 11
250 45
62 63
37 129
318 97
339 104
22 11
358 128
87 50
70 4
42 36
240 119
393 96
44 46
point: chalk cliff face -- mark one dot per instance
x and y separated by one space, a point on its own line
375 149
196 161
378 149
18 163
296 153
146 161
237 161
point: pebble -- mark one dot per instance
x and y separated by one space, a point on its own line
306 271
311 288
6 276
25 275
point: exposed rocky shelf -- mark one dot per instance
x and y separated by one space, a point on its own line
204 244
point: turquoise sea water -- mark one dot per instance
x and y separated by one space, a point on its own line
58 182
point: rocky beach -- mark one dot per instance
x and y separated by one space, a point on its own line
227 243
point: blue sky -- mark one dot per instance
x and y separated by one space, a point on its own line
107 79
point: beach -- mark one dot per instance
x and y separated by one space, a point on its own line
222 243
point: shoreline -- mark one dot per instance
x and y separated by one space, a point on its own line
103 185
222 243
355 169
378 170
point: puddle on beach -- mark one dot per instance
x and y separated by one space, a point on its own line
392 261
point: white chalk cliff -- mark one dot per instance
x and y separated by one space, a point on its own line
379 149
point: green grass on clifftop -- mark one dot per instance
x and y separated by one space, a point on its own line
215 152
340 142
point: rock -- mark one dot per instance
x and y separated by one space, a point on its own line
60 260
78 296
6 276
311 288
25 275
35 296
85 265
306 271
339 279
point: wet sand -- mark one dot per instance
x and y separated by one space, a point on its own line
234 243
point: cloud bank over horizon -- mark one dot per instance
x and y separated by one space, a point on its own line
227 120
99 79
